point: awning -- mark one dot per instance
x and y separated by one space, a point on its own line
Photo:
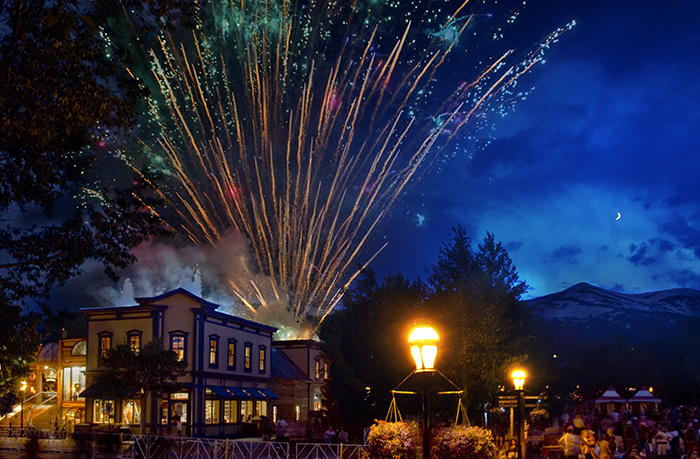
268 393
93 391
255 393
221 392
239 393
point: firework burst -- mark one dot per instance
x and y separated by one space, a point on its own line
300 125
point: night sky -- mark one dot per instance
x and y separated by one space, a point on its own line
611 129
593 178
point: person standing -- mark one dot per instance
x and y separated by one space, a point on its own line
280 429
663 442
342 436
690 438
571 444
604 446
675 442
329 435
631 438
588 445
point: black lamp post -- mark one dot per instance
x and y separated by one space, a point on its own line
423 342
519 384
22 388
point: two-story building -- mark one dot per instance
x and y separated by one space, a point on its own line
300 371
227 384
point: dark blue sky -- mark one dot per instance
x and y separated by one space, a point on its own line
612 127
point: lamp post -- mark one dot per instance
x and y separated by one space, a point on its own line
519 384
22 388
423 343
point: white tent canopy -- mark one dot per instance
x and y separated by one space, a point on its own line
610 396
643 401
644 396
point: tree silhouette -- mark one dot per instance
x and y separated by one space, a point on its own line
145 372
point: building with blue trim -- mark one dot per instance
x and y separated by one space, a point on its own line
227 384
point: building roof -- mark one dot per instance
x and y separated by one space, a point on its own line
283 368
610 396
644 396
177 291
209 308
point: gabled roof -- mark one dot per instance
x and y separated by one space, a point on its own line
610 396
644 396
177 291
283 368
207 307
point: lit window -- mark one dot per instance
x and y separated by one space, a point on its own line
317 401
134 339
232 354
326 373
211 411
297 412
230 409
261 359
213 351
105 343
178 344
248 357
317 369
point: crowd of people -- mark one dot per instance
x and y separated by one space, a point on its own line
669 434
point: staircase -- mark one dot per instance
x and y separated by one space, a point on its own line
38 411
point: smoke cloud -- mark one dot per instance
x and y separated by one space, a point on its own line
208 272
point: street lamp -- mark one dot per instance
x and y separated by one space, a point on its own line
22 388
519 384
423 342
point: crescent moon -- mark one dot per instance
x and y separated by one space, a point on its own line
618 216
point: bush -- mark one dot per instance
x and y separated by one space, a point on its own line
463 442
392 440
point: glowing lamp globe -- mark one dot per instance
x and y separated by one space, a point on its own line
423 342
518 379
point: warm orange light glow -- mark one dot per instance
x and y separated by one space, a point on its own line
423 341
423 333
518 379
23 386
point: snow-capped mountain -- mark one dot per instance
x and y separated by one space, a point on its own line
584 313
584 301
594 338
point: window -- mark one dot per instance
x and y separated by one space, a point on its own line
211 411
261 407
131 412
213 351
326 373
246 410
73 382
178 344
261 359
104 341
102 412
317 401
297 413
274 413
230 410
317 369
248 357
80 348
232 354
134 340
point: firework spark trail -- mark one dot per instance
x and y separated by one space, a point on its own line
261 138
